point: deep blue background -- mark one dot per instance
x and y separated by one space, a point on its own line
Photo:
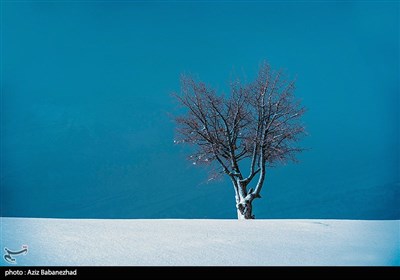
86 94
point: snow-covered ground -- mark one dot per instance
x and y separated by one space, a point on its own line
202 242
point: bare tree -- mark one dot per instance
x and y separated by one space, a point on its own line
259 121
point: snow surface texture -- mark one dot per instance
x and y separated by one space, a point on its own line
202 242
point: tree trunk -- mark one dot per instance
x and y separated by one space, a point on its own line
245 210
244 202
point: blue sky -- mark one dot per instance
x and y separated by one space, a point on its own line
86 91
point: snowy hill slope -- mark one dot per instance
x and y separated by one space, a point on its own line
202 242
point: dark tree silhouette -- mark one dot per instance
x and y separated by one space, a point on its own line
259 121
